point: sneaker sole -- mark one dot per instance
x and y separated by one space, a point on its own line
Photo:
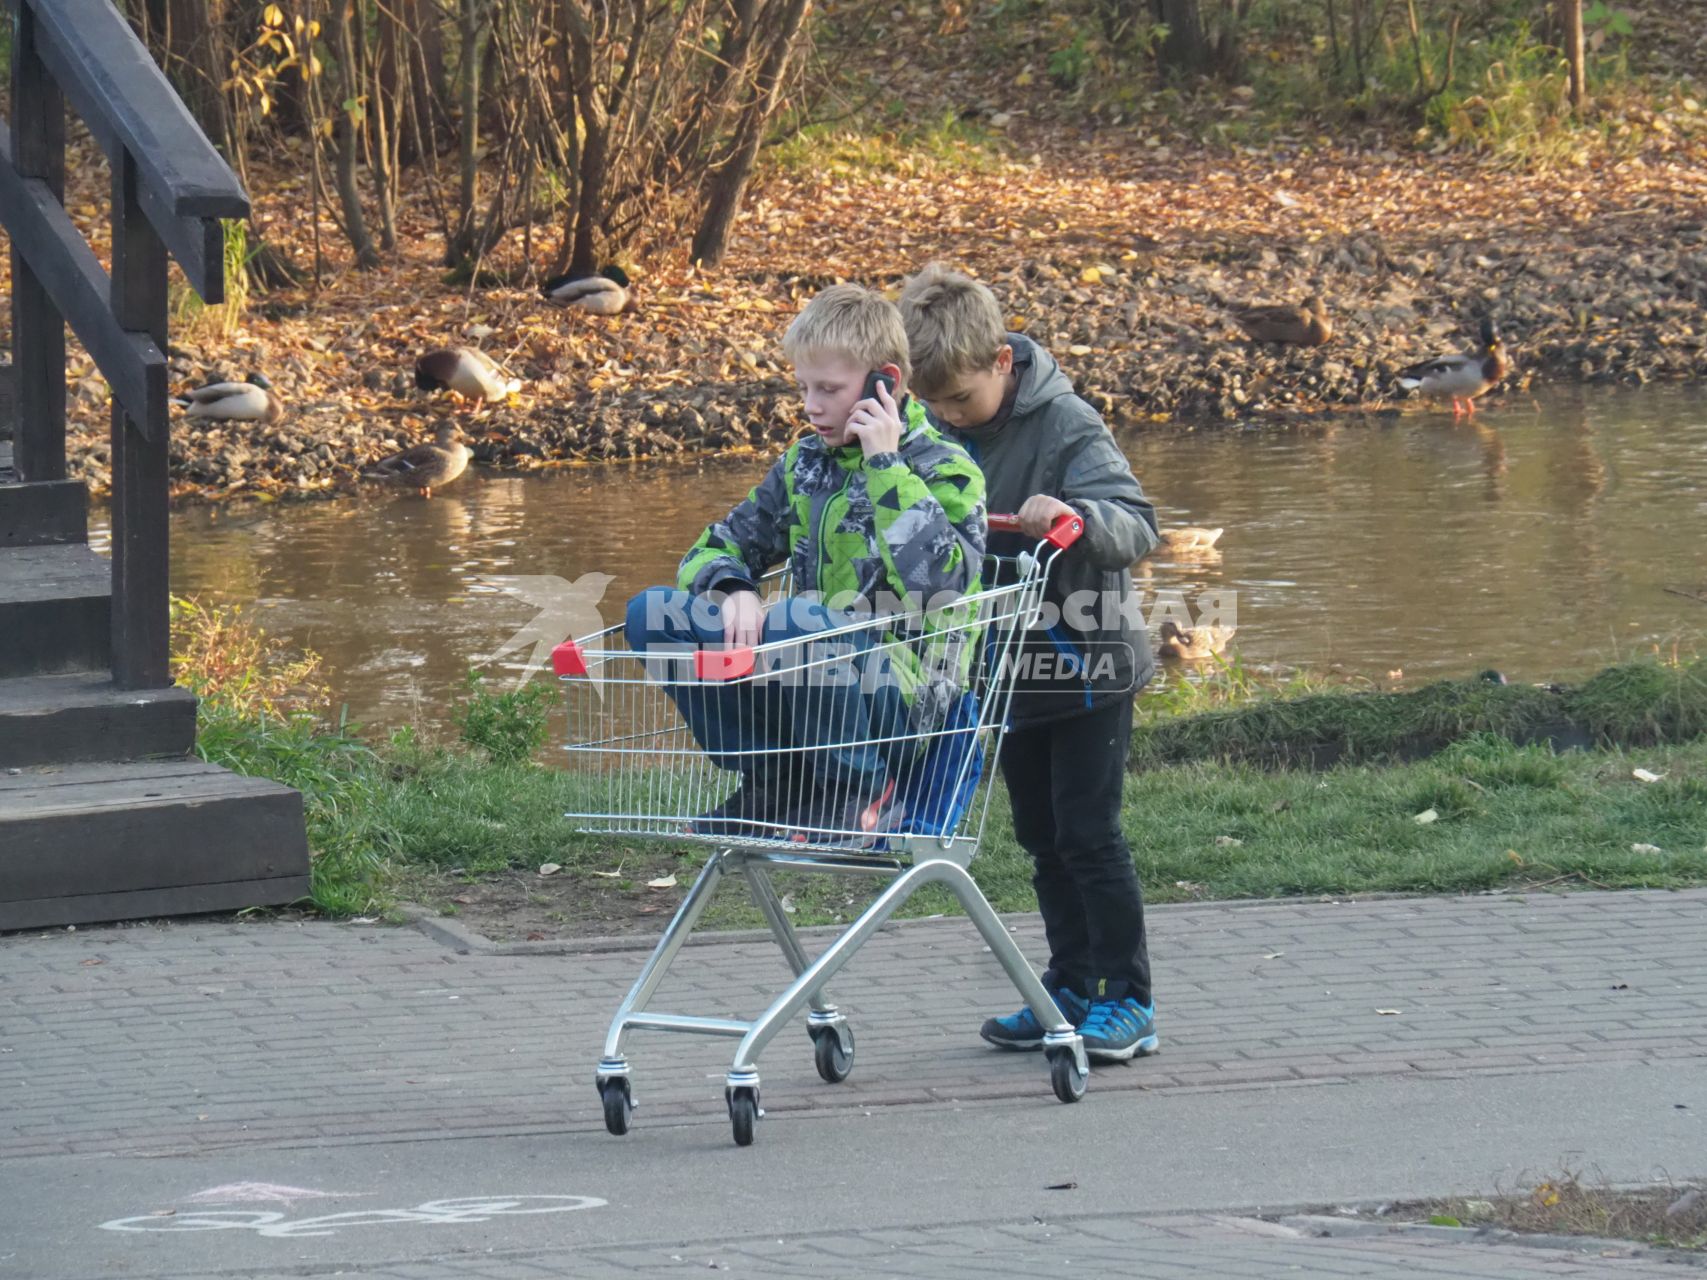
1138 1049
1022 1046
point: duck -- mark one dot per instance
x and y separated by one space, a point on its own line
1305 326
252 400
425 467
465 372
1173 641
1462 377
1190 540
604 293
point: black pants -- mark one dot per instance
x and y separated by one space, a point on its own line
1064 780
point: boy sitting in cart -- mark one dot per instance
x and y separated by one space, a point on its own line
874 512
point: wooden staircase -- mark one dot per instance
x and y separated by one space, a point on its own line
105 812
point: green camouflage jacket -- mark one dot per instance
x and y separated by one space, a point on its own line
895 531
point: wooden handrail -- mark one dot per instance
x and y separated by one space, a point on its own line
116 87
106 75
170 190
58 256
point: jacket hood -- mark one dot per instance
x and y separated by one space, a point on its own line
1042 382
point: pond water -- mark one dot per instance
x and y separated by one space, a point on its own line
1542 541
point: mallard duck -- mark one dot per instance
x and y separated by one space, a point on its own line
1188 540
249 401
1463 377
1193 645
425 466
1305 326
465 372
604 293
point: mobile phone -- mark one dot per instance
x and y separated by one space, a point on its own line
872 380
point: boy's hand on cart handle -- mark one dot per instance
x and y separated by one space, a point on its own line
743 618
876 424
1038 514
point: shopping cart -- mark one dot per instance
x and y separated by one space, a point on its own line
642 773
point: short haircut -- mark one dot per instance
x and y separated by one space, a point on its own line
954 326
852 321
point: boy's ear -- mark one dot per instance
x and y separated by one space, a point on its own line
894 371
1004 358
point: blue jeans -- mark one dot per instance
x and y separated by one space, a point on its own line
826 703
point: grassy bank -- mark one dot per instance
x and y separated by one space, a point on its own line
1230 719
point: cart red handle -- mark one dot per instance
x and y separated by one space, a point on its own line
1062 534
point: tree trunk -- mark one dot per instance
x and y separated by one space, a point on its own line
1571 23
1185 49
384 98
729 183
468 150
346 134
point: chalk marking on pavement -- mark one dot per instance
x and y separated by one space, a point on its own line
275 1226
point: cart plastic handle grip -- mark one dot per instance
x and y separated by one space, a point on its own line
568 660
723 664
1062 534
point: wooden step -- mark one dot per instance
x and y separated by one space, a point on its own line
44 514
82 717
96 842
55 610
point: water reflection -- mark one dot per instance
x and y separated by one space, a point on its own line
1539 540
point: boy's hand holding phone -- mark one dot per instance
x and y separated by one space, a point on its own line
875 421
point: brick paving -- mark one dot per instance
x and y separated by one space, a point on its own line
199 1035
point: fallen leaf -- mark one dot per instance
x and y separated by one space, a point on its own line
787 903
1425 817
1091 275
609 875
1646 848
662 882
161 1213
1078 349
1274 955
1062 1186
1444 1220
1642 775
550 868
536 936
1388 1013
92 960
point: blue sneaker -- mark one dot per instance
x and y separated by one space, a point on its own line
1023 1031
1115 1030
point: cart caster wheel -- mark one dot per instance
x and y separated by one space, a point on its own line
834 1062
619 1105
1065 1077
743 1110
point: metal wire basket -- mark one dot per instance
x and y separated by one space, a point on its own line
875 738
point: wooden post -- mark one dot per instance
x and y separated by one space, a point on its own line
141 605
38 330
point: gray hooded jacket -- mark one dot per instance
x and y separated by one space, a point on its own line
1052 442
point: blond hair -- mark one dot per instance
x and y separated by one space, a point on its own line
852 321
954 326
